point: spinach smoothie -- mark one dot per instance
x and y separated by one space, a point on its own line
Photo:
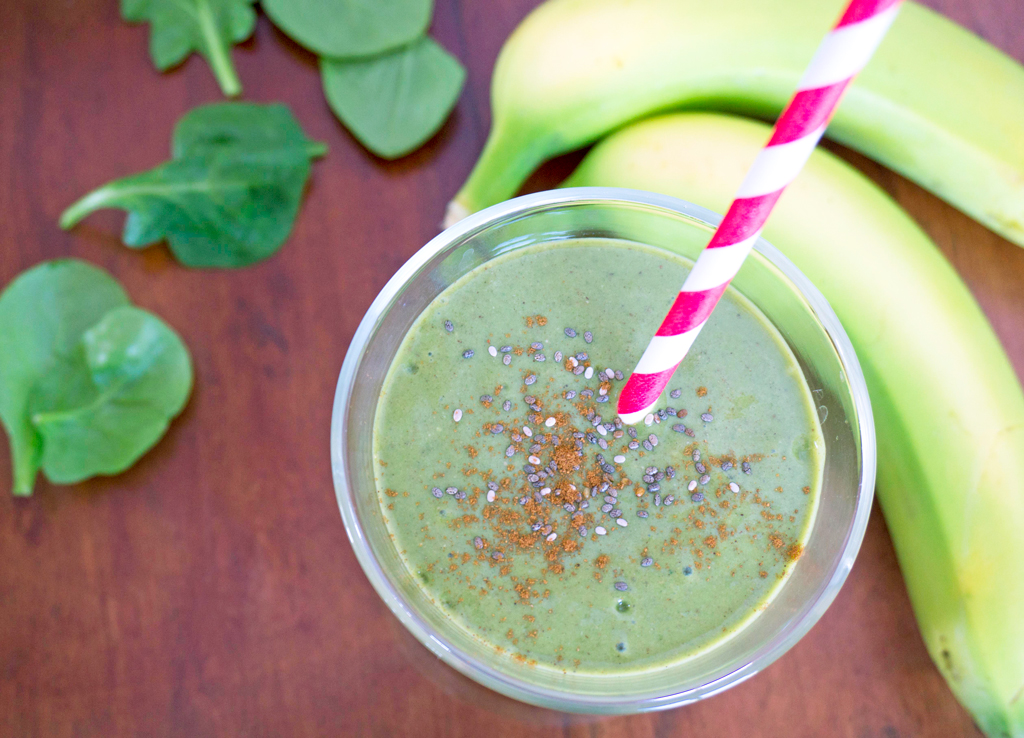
541 524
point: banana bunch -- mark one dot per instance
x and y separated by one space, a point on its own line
936 103
949 412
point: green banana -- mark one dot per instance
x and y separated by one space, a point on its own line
948 408
936 104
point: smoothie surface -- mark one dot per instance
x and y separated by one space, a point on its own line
543 526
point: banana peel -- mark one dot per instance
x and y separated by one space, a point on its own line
936 103
949 411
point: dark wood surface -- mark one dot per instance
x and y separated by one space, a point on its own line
211 589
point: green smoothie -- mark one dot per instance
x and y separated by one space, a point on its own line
537 521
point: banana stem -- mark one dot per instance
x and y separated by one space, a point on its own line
506 161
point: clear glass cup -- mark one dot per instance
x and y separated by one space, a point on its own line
771 282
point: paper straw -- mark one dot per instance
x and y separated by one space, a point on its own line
841 55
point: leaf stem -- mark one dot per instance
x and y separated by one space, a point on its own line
25 466
218 54
316 149
95 200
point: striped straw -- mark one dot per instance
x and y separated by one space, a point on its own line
842 54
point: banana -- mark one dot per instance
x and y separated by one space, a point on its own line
949 411
937 104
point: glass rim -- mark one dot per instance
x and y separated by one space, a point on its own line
506 683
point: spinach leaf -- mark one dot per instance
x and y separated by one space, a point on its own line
350 28
75 361
394 102
229 196
179 27
112 398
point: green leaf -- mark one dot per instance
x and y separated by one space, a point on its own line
229 196
112 399
393 103
350 28
43 314
179 27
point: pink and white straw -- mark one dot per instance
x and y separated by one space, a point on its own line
841 55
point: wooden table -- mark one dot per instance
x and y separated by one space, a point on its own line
211 589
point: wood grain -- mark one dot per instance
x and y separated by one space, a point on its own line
211 590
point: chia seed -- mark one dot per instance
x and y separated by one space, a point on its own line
700 468
451 490
697 496
618 375
582 356
582 530
506 405
631 431
646 561
497 428
654 488
648 446
690 433
570 332
510 451
705 479
726 466
670 411
745 466
675 394
579 370
733 487
633 445
641 513
467 354
539 357
506 359
602 443
669 500
486 398
588 337
569 394
497 555
530 379
653 439
670 472
602 398
530 400
536 345
436 491
657 500
478 543
707 417
696 455
558 356
615 514
621 586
